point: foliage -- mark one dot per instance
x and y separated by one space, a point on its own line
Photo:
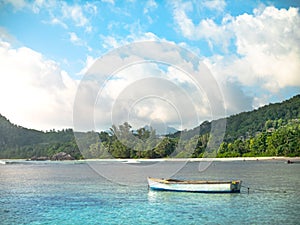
20 142
284 141
272 130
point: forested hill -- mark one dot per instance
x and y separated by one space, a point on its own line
248 124
12 135
20 142
270 130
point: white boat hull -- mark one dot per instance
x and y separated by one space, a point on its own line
194 186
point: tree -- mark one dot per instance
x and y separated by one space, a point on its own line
164 148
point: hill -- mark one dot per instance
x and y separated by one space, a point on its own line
20 142
272 130
248 124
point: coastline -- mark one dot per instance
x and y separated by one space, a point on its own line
269 158
233 159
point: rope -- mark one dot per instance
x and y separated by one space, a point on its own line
266 190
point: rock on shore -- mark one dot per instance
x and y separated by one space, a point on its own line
62 156
41 158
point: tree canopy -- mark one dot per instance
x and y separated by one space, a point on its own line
272 130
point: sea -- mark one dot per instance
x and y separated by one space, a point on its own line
116 192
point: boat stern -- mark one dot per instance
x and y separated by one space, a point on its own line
235 186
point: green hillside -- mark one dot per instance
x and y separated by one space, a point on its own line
20 142
247 124
272 130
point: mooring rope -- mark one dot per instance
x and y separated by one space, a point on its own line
260 189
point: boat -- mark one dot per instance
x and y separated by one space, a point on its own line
202 186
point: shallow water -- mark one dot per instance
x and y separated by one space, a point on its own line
66 193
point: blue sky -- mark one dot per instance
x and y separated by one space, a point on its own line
251 49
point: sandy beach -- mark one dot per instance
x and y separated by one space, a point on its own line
272 158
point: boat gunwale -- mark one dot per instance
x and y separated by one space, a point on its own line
196 191
175 181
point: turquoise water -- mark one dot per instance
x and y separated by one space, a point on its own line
66 193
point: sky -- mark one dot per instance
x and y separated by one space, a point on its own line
91 64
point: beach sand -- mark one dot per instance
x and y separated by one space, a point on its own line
272 158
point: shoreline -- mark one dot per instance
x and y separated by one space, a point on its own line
233 159
269 158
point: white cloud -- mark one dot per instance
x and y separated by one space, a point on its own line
185 24
38 4
150 5
146 91
268 43
205 29
34 6
17 4
90 8
56 21
75 13
113 42
34 91
60 12
110 42
217 5
6 36
88 63
74 38
143 93
267 49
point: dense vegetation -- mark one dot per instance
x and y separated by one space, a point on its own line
20 142
272 130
